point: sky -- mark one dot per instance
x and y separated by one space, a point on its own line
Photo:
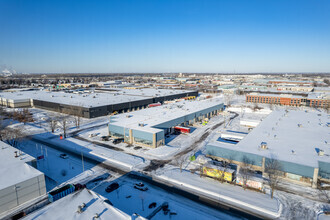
146 36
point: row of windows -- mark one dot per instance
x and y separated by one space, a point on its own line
277 101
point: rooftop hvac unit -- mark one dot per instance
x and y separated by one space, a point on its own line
321 152
263 145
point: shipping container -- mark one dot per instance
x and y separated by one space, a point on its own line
219 172
254 183
182 129
154 105
61 192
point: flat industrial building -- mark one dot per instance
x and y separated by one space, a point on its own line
299 139
89 103
97 207
20 181
148 127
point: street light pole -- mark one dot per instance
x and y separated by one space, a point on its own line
82 160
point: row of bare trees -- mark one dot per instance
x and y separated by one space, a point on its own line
62 122
272 171
10 135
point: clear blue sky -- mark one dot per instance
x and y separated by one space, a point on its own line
165 36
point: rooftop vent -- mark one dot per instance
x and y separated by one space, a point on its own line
81 208
263 145
293 152
141 124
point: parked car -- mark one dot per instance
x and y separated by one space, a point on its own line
79 186
105 138
112 187
152 205
93 135
64 156
140 186
118 140
100 178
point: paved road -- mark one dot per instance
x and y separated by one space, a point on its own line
166 186
155 164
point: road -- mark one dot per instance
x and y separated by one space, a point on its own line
180 190
156 164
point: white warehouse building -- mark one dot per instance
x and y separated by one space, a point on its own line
20 182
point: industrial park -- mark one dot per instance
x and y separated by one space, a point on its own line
164 110
214 149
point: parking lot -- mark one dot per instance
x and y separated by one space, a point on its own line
134 196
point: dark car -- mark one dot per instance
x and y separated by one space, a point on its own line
140 184
152 205
97 180
118 140
112 187
64 156
105 138
141 188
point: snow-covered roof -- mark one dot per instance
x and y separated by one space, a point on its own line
318 96
92 99
67 208
294 136
13 169
157 115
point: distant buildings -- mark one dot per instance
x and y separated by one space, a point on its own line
312 100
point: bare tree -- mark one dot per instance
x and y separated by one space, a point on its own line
181 161
76 115
273 173
53 124
246 170
12 135
226 166
323 192
63 123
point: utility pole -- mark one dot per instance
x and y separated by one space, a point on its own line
82 160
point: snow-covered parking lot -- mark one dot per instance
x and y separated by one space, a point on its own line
131 200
